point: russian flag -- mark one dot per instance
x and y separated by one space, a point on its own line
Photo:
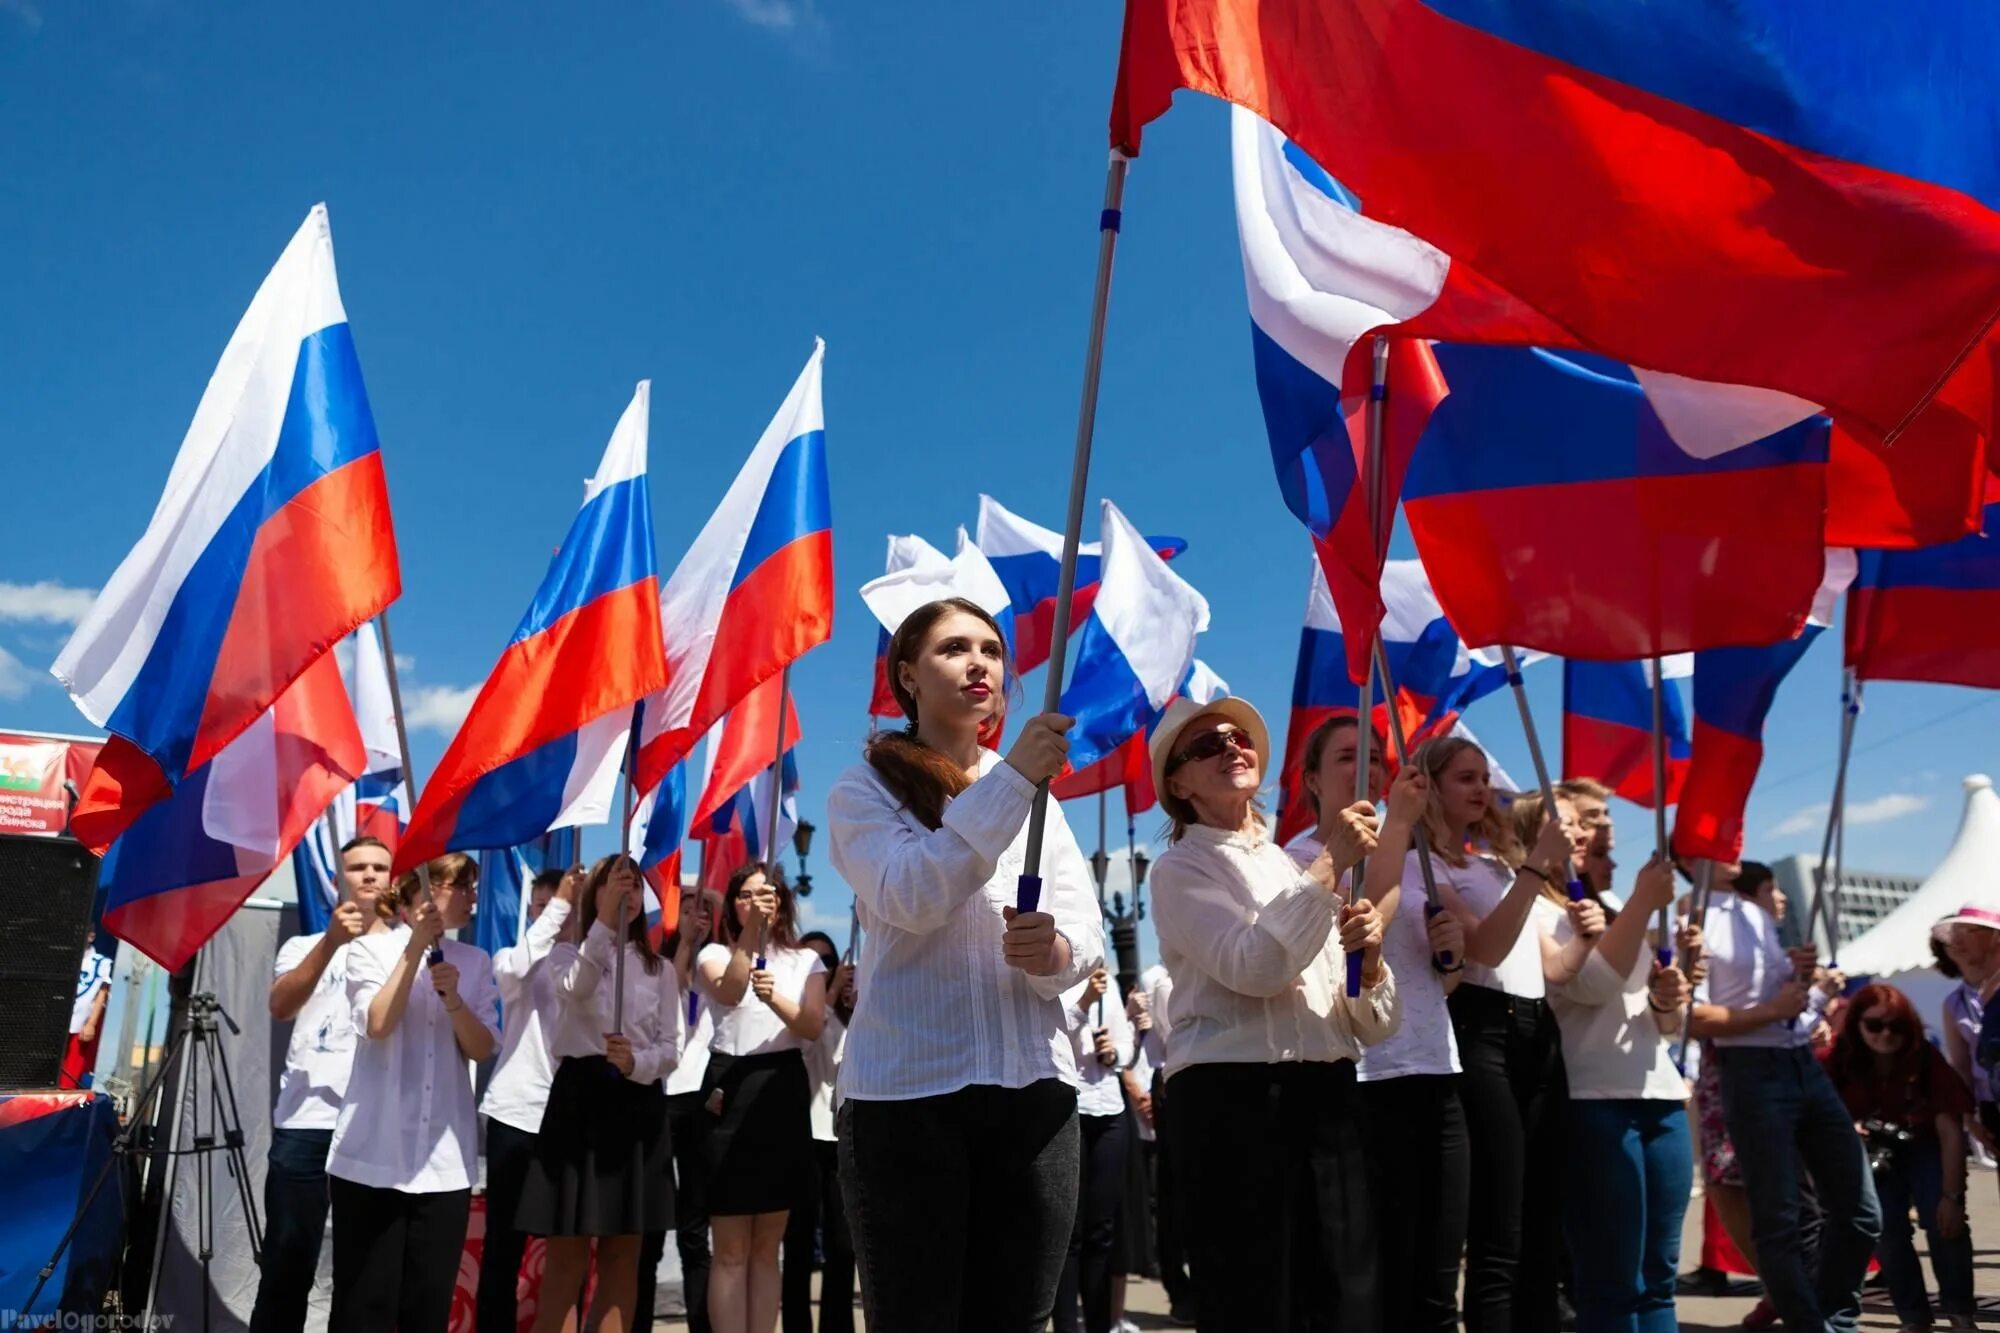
743 746
1730 194
1930 614
1130 765
930 577
1135 651
755 591
1028 559
659 826
1733 692
904 552
543 744
505 877
1554 510
734 835
1320 277
272 540
188 862
1608 725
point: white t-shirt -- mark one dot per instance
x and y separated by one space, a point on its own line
753 1027
1101 1093
1481 883
321 1053
1425 1043
93 976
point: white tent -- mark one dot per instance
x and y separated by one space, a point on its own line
1899 944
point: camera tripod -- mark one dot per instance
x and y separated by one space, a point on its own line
196 1051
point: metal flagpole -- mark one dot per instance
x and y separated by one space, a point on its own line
1573 884
771 856
1364 722
403 751
1850 707
1100 867
1396 737
1666 927
1028 896
626 809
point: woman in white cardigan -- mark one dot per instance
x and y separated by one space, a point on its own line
958 1130
1266 1126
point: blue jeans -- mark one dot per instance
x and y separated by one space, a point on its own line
1916 1177
295 1203
1782 1112
1623 1214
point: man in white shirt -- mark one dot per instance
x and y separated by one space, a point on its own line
310 992
1757 1007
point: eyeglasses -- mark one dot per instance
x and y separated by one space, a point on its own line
1878 1026
1212 744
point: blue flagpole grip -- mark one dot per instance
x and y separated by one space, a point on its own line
759 963
1666 955
1576 890
1028 894
1353 975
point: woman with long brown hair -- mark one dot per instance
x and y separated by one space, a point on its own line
603 1166
958 1132
769 999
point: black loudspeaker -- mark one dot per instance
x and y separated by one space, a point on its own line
46 887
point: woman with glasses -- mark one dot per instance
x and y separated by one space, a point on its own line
1266 1125
1911 1107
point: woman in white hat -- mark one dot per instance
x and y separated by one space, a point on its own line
1266 1123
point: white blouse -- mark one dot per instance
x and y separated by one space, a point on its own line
1425 1043
1101 1093
687 1076
1259 974
939 1008
751 1027
1481 883
519 1090
1612 1048
408 1122
823 1075
585 1004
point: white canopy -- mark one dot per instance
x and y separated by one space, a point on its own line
1969 873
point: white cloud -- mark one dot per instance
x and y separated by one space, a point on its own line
438 707
25 11
777 15
343 654
1880 810
51 603
817 915
15 678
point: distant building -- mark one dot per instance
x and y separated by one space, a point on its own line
1866 897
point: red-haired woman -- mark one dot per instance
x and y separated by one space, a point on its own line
958 1129
1911 1106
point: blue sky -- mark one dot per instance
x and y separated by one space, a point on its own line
536 205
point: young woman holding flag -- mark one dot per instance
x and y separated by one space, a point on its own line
1267 1123
958 1129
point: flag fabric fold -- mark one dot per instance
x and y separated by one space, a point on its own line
755 591
905 552
271 542
1931 614
1608 725
545 740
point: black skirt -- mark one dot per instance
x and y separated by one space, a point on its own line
760 1143
603 1163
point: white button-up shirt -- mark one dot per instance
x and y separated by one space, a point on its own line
321 1052
938 1008
823 1074
519 1090
1747 965
1101 1093
1259 974
586 994
408 1122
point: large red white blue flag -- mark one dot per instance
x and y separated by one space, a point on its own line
1931 614
1608 725
271 542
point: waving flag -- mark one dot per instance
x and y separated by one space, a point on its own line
1733 692
1028 559
1608 725
272 541
755 591
931 577
1930 614
1726 193
905 552
1136 650
743 746
658 828
1130 766
506 876
734 835
543 744
188 862
1554 510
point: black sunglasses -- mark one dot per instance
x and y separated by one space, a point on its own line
1212 744
1880 1025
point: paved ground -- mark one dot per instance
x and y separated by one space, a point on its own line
1148 1303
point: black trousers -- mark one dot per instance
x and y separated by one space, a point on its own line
1169 1216
961 1206
395 1257
294 1225
1085 1288
1420 1173
1514 1093
687 1128
508 1152
1280 1229
819 1218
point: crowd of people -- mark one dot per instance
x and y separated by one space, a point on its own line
1405 1050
